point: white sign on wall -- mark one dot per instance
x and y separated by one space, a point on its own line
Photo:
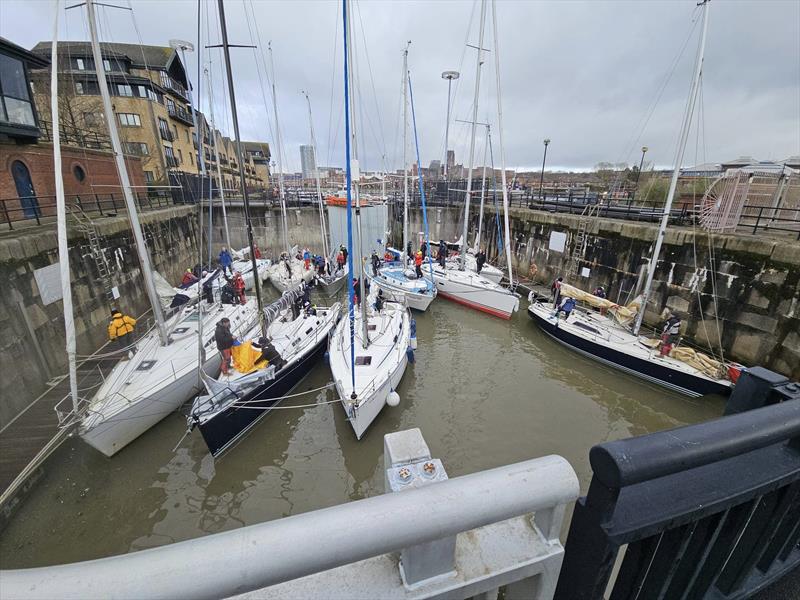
584 272
558 241
48 280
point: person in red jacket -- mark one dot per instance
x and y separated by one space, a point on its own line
418 264
238 286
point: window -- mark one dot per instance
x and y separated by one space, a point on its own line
136 148
175 131
79 173
148 177
186 131
14 93
79 88
191 159
170 105
129 120
142 91
180 156
106 65
80 64
124 90
164 78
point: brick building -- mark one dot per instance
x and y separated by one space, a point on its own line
27 184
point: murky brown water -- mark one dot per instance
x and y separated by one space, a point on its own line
484 392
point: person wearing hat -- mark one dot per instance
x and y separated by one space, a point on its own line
120 330
225 340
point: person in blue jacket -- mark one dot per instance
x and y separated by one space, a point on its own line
225 260
566 307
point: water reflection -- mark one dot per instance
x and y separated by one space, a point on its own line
485 392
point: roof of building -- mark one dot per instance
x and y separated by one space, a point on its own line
10 48
793 161
158 57
263 146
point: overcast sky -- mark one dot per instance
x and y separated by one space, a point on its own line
584 74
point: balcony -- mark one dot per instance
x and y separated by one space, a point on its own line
180 114
166 135
172 162
173 86
72 136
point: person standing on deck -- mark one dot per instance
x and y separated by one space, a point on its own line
376 263
340 260
225 260
225 340
120 330
418 264
555 291
307 258
480 259
670 334
409 251
441 256
188 279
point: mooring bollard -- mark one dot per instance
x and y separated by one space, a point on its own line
408 463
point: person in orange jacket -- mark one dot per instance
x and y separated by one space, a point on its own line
120 330
418 264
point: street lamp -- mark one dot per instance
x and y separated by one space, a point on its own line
638 174
449 76
544 159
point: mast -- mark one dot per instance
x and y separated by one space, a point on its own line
502 149
356 187
404 250
348 186
119 159
213 135
280 154
684 135
245 196
61 210
478 63
319 188
483 188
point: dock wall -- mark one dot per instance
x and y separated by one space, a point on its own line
756 278
32 344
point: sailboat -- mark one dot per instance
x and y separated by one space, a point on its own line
606 341
459 283
162 373
395 279
368 350
332 279
276 354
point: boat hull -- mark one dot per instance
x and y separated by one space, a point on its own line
229 426
332 288
498 302
112 435
394 293
659 374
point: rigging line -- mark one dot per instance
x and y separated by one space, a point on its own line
323 388
372 81
275 136
333 88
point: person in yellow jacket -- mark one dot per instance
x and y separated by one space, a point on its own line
120 329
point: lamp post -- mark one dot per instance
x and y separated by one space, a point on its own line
639 173
449 76
544 160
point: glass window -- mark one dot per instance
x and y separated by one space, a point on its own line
12 78
186 131
124 90
19 111
141 91
148 177
129 120
106 65
79 173
81 64
79 88
180 155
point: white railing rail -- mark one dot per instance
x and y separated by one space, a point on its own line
303 546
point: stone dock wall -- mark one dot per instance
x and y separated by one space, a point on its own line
754 313
171 235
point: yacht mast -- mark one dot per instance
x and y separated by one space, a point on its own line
280 155
684 135
483 189
319 188
356 176
61 210
243 183
130 203
404 249
502 149
213 135
478 63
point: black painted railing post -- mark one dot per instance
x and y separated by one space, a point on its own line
8 217
758 219
97 203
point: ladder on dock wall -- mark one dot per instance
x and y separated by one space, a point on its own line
97 245
579 247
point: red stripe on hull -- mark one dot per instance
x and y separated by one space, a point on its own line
475 305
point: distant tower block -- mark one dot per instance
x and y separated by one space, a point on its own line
308 162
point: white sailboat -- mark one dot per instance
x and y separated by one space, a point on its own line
460 284
608 342
395 279
162 373
368 350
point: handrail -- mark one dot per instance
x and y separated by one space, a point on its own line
257 556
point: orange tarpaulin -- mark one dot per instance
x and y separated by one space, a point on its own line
245 357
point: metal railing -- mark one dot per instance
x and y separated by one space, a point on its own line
166 135
324 553
41 209
707 511
176 112
73 136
